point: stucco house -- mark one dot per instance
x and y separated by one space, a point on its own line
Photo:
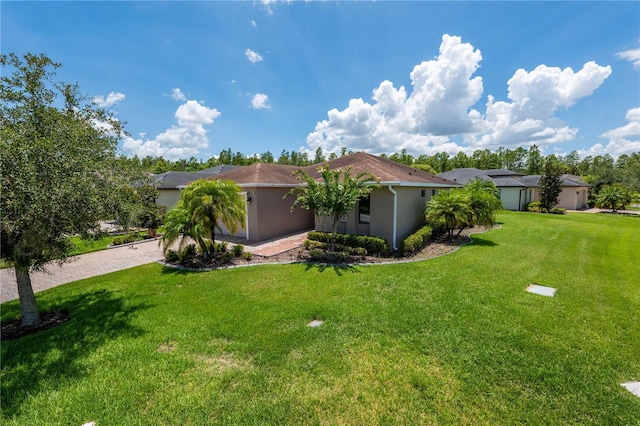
395 209
170 184
518 189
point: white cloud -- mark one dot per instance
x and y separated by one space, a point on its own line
183 140
252 56
631 55
111 99
269 4
622 140
253 23
441 106
260 101
178 95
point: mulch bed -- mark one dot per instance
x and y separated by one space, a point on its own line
12 329
437 248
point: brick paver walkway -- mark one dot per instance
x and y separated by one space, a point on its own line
116 259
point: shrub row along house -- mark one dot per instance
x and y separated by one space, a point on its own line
517 189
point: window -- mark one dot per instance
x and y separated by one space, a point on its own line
423 193
364 209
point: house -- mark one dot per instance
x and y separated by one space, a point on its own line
169 184
517 189
393 210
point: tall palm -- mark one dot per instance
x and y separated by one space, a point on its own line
214 203
450 209
180 226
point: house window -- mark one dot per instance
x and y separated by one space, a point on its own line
433 192
423 193
364 209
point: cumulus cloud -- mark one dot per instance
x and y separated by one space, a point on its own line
183 140
110 100
440 106
260 101
631 55
252 56
270 4
622 140
178 95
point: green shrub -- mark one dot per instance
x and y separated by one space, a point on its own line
317 255
535 207
226 257
187 253
247 255
373 245
172 256
557 210
237 250
117 241
417 241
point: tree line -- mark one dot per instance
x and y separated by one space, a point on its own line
599 171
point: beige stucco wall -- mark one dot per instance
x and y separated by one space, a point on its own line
573 198
410 210
168 197
270 215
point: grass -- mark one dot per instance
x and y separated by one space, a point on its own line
451 340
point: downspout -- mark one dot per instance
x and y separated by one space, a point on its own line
395 216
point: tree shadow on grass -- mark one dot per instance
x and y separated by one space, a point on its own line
478 240
338 268
44 360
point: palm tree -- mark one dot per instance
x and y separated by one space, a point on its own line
612 197
214 203
451 209
334 196
180 226
484 201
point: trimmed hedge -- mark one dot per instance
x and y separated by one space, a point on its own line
417 241
319 245
536 207
373 245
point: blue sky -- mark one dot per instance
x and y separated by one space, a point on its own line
194 78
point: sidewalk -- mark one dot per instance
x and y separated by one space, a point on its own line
116 259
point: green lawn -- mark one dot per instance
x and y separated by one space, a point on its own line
451 340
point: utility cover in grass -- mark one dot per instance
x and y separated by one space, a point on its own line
541 290
315 323
633 387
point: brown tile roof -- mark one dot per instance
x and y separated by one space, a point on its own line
262 174
387 171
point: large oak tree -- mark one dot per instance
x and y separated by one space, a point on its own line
58 164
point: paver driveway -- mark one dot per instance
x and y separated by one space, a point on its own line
115 259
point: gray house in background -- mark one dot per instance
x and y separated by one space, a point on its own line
169 184
518 189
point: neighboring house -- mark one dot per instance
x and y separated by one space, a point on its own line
518 189
169 184
395 209
269 215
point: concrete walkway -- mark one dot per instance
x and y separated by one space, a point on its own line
119 258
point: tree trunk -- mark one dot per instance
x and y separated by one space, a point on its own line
28 309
